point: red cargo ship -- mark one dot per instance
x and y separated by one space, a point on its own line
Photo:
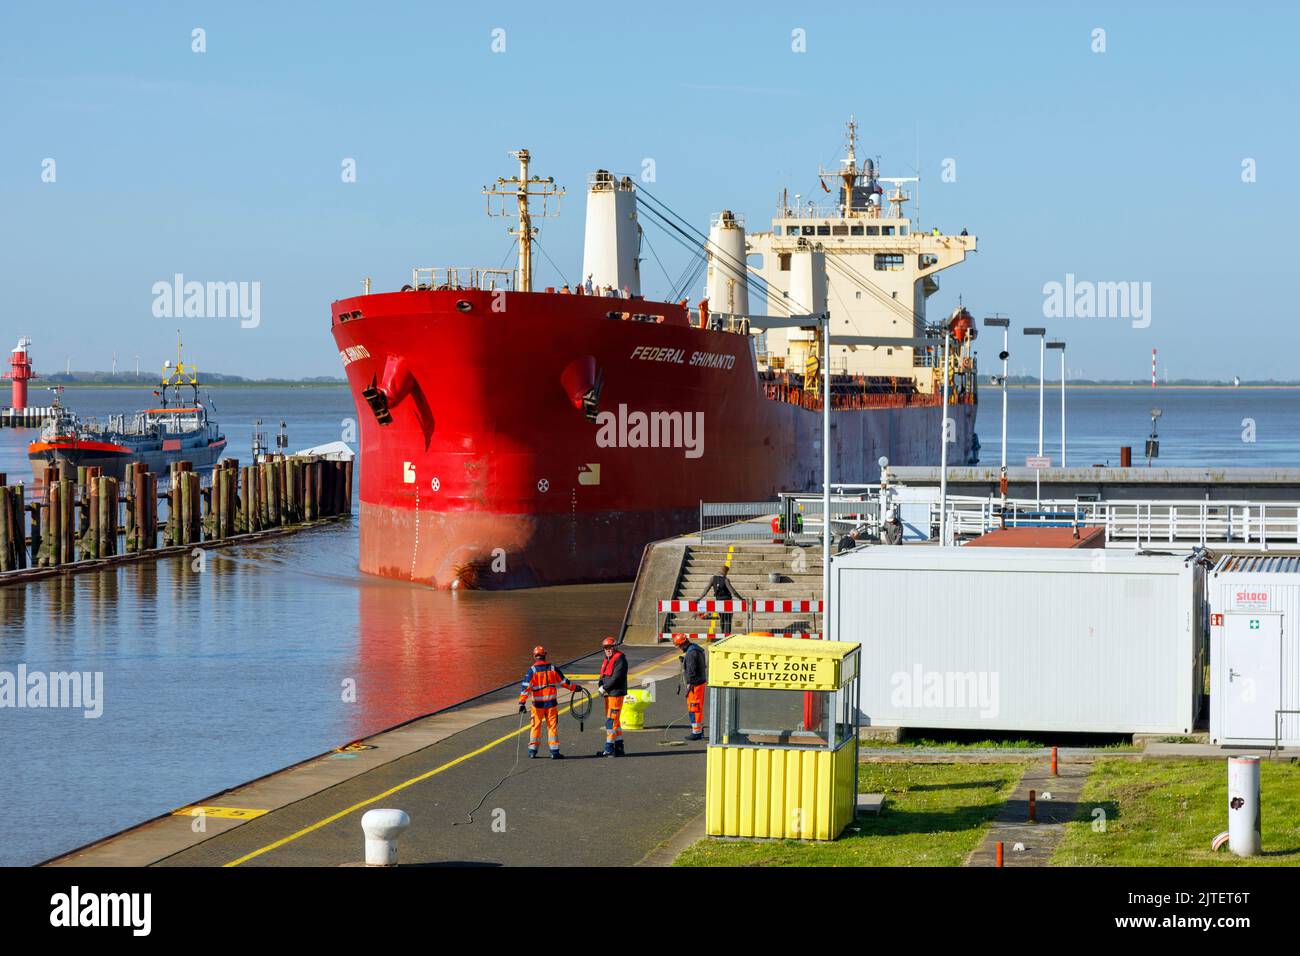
517 438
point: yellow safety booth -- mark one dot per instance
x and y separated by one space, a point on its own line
783 737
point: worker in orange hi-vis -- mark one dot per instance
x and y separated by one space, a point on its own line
613 687
543 682
695 669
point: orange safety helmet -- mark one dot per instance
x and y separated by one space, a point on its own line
539 651
608 642
680 639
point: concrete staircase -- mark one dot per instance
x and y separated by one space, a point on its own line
799 577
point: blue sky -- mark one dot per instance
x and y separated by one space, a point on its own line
225 166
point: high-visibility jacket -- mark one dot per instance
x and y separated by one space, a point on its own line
613 675
543 681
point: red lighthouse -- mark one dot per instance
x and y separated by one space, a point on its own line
20 370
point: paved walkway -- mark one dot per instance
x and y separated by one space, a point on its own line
1057 804
581 811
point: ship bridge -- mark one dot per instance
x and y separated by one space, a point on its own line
880 268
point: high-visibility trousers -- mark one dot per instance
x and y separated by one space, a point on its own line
613 723
550 716
695 707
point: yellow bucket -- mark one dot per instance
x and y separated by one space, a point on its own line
634 705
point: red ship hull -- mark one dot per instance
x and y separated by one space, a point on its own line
490 474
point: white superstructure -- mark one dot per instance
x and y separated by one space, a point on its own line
880 269
727 284
613 238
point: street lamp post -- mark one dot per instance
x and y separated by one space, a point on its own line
1061 347
1038 472
1003 323
943 446
826 461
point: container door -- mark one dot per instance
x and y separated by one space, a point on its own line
1252 663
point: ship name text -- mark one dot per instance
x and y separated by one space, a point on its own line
352 353
650 353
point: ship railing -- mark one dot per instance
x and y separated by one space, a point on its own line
1153 523
798 518
458 277
833 211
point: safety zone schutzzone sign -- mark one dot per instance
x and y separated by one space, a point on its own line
777 663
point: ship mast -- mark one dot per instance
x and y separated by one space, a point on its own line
850 173
520 187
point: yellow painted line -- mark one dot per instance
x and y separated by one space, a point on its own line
402 786
220 813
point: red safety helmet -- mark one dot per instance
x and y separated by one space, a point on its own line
539 651
608 642
680 639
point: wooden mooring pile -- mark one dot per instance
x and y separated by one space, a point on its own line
89 516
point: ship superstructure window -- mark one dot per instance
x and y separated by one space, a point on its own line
855 230
809 231
839 230
902 230
823 230
889 261
873 230
886 230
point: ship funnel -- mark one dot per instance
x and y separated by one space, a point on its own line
727 287
613 238
807 281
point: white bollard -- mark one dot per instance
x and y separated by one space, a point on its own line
1243 806
382 828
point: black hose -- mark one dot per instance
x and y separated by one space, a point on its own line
580 707
519 737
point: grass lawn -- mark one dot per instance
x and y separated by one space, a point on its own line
973 740
1165 812
934 815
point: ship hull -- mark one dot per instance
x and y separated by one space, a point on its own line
113 459
488 474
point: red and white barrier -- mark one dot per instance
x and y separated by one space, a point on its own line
696 607
787 607
739 607
811 636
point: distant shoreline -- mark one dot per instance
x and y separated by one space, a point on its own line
1147 387
203 385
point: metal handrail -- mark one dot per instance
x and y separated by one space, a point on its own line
462 277
1251 525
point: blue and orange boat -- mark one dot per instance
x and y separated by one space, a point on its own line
178 429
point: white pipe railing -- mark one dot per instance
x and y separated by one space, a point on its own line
1251 525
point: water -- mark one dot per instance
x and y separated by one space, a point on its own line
1197 427
215 676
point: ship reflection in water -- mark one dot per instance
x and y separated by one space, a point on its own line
424 649
218 672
